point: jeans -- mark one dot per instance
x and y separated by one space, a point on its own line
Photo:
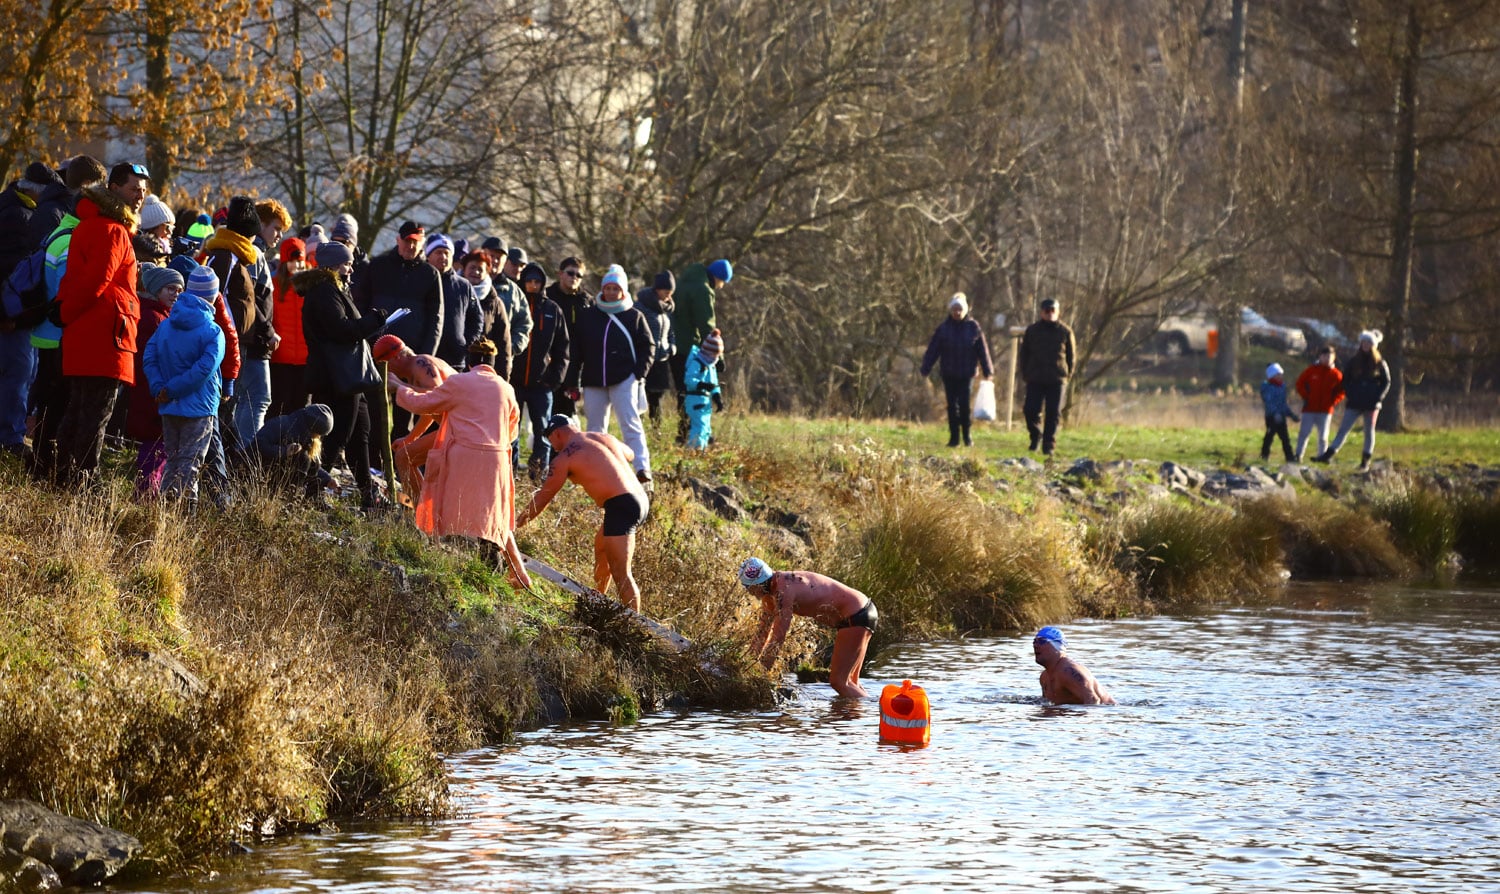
17 367
1038 396
1312 422
187 440
1352 416
252 395
538 404
215 468
621 398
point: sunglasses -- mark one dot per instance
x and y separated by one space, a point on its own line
571 273
140 171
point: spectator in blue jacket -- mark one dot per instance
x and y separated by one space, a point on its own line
702 381
1273 397
959 347
182 366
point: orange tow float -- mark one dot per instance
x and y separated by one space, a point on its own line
905 715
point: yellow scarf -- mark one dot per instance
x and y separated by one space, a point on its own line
224 237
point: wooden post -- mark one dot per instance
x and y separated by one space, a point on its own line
1010 393
381 419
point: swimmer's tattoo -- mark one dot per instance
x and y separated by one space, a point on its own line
427 365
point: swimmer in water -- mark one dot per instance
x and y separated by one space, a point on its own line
825 600
1065 681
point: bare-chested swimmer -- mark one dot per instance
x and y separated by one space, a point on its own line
825 600
1065 681
601 466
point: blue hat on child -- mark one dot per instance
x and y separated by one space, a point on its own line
203 283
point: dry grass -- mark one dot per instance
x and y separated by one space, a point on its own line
1182 552
1322 537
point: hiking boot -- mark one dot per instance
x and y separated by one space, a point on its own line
968 441
1036 442
1364 463
1325 457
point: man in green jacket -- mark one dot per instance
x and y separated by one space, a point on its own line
693 320
1046 361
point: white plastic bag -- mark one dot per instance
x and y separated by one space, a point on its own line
984 402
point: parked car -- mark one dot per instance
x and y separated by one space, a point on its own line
1319 333
1258 330
1184 334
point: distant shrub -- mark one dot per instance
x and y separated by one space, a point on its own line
1322 537
1478 530
1423 522
1180 552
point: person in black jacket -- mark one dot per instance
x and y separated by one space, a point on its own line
290 447
960 346
571 297
57 200
540 369
17 355
463 320
612 351
401 278
1367 379
1046 361
333 327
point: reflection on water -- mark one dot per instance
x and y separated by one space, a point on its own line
1344 740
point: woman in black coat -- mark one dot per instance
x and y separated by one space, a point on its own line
335 332
1367 378
960 346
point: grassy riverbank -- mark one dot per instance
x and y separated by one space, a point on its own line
333 659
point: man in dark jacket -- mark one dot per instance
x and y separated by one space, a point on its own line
398 279
463 321
58 199
693 320
571 298
1046 361
540 369
231 253
17 356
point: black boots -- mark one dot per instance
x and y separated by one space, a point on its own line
953 434
1364 463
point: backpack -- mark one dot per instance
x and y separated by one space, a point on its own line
23 296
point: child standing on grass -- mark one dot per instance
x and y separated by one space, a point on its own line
701 380
1321 387
1273 396
182 366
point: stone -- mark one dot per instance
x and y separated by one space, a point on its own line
1024 463
723 500
1172 473
81 852
1085 470
28 873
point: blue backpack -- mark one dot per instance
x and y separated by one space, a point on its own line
23 296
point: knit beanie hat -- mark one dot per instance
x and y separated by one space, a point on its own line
292 249
157 278
1372 336
345 229
38 177
154 213
712 347
665 280
615 274
959 300
1274 370
242 218
721 270
437 240
333 254
203 283
320 418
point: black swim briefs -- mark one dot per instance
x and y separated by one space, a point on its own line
867 617
624 514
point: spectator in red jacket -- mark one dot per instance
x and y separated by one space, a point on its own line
1321 387
289 361
100 310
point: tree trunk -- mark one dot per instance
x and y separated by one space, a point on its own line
1227 364
1403 224
159 24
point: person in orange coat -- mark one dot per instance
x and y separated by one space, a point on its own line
1321 387
289 360
468 489
99 311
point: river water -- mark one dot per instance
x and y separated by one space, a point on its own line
1343 739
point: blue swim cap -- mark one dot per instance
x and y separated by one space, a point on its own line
1052 635
754 572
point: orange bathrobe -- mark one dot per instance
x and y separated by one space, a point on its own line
468 489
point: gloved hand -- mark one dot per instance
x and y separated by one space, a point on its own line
572 393
718 400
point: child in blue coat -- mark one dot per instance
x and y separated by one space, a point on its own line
701 381
1273 396
182 367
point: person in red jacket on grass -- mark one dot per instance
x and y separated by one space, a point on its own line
99 311
1321 387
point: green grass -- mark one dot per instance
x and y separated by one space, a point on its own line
1189 446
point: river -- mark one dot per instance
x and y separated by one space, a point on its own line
1342 739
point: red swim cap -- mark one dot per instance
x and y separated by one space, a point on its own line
386 347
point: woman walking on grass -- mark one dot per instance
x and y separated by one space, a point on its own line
960 346
1367 378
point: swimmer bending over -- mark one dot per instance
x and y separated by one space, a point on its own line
1065 681
825 600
